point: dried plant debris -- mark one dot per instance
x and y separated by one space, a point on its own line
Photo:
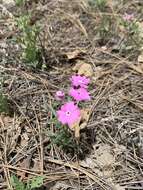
83 68
89 38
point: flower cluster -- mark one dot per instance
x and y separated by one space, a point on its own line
128 17
69 113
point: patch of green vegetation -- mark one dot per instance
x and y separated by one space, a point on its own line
104 29
62 136
3 104
133 38
19 2
28 39
99 4
35 182
64 139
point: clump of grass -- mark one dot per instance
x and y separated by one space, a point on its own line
98 4
105 29
64 139
110 28
33 183
28 39
107 24
4 108
19 2
132 36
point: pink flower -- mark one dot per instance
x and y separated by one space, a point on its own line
60 95
78 80
79 94
128 17
68 114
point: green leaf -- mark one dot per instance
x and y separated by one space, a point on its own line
36 182
16 183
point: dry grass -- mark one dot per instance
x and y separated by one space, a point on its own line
117 104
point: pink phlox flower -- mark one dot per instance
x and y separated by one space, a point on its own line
79 94
59 95
78 80
128 17
68 114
